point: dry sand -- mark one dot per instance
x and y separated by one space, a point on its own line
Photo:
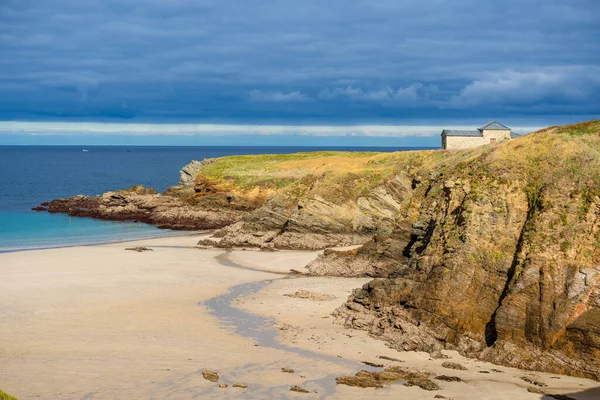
99 322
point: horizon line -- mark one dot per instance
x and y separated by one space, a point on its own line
48 128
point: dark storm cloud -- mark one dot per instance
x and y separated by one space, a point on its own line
298 60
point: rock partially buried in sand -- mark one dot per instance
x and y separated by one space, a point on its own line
453 365
447 378
389 358
222 385
372 364
138 249
239 385
424 384
210 375
533 381
366 379
299 389
305 294
359 381
287 370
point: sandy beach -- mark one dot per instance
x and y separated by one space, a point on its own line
99 322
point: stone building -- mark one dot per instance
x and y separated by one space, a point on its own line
465 139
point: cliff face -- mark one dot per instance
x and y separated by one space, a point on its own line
504 259
378 257
310 221
318 200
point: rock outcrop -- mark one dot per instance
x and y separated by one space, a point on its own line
188 174
210 375
367 379
379 257
311 222
178 212
504 260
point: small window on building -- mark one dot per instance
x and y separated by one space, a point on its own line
493 140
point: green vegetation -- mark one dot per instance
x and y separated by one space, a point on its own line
556 157
584 128
6 396
334 176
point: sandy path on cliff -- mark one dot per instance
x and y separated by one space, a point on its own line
104 323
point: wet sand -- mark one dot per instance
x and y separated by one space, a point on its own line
99 322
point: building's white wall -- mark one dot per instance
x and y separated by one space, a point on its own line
467 142
499 135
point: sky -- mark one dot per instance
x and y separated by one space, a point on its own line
288 70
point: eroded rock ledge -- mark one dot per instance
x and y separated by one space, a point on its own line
168 211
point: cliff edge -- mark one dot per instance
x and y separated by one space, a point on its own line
503 259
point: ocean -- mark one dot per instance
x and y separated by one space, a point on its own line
30 175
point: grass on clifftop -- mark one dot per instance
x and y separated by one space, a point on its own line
334 176
568 153
585 128
6 396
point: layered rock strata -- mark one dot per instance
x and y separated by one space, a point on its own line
311 222
503 263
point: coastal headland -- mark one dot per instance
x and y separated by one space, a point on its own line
490 255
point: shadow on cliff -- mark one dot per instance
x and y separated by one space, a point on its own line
590 394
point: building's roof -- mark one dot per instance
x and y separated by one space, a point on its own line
494 126
453 132
514 135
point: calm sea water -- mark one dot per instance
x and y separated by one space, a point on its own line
30 175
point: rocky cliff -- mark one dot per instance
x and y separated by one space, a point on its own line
503 261
320 200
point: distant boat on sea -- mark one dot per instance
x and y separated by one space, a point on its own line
85 150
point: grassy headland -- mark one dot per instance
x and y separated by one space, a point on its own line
338 176
334 176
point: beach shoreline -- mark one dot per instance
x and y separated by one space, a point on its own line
173 234
101 322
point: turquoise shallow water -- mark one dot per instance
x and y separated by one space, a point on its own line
29 230
30 175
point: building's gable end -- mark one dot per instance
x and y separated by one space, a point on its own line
494 126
